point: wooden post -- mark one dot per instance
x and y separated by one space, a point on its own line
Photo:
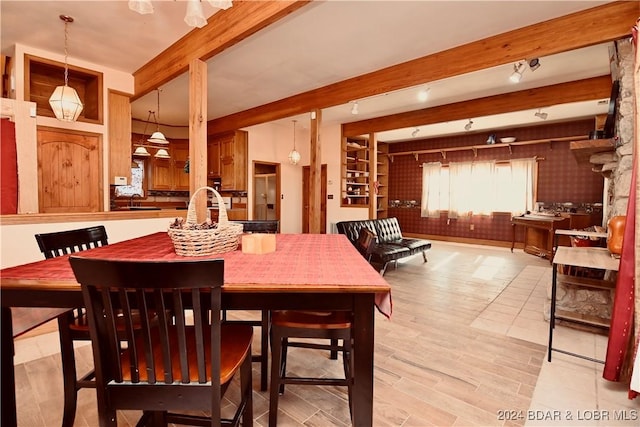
315 163
198 134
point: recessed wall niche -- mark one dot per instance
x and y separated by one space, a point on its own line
42 76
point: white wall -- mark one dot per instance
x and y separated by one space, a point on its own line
272 142
18 244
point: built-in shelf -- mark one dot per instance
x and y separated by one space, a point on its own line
475 148
584 149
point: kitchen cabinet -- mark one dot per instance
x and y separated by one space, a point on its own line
169 174
233 159
119 136
213 158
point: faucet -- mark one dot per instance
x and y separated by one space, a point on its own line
131 199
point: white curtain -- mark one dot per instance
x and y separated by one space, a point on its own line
431 190
516 186
460 189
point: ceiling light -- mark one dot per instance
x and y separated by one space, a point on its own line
423 95
534 64
143 7
354 108
294 156
157 137
64 100
541 115
518 69
467 127
141 152
415 132
195 15
162 154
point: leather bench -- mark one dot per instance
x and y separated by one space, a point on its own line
389 245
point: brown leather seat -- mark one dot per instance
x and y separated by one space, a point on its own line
289 325
182 359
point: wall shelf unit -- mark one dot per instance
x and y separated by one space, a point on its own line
356 168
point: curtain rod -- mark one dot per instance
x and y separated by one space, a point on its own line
475 148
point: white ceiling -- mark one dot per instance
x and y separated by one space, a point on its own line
319 44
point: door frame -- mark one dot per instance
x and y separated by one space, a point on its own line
252 200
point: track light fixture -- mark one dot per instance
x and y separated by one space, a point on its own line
534 64
423 94
541 115
415 132
518 69
468 126
354 108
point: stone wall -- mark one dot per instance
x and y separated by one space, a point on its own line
617 168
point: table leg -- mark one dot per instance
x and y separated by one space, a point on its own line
8 385
513 235
363 339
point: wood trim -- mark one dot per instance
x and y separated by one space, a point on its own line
589 27
37 218
562 93
225 29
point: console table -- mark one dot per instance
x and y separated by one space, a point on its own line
590 257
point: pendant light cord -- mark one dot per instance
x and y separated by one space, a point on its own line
66 53
294 135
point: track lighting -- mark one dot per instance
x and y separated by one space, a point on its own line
534 64
415 132
467 127
518 69
423 95
541 115
354 108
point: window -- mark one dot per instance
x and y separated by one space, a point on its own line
480 188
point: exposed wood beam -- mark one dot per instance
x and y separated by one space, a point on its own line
562 93
589 27
225 29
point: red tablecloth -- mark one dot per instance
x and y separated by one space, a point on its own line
317 261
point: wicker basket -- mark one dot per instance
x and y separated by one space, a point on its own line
224 238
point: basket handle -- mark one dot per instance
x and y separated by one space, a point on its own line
222 209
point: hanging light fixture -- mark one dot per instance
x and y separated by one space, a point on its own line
64 100
157 137
141 147
195 15
294 156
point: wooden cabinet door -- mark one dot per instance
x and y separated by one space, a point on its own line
227 154
69 171
161 174
119 136
213 158
179 156
233 160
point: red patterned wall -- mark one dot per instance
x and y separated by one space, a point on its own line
560 178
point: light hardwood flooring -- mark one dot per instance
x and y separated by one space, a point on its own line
466 346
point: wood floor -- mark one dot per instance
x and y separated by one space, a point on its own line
432 366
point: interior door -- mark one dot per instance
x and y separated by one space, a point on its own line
69 171
266 191
305 199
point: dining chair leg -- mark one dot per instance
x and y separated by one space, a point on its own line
246 392
334 352
69 376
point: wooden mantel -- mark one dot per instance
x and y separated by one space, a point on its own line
584 149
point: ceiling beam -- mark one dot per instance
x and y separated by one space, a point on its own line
224 29
562 93
609 22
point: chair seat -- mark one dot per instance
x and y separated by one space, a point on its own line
235 339
311 319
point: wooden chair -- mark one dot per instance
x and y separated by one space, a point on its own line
183 359
259 226
291 324
72 325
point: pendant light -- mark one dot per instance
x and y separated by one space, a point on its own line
294 156
158 137
64 100
141 147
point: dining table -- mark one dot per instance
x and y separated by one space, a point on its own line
305 272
